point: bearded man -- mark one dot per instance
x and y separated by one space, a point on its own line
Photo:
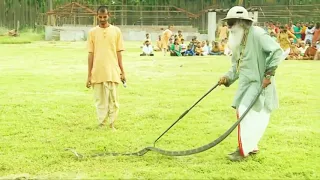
255 58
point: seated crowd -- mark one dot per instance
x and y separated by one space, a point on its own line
178 47
302 39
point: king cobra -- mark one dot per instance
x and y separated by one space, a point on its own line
178 153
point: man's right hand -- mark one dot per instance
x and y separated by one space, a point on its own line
88 82
223 80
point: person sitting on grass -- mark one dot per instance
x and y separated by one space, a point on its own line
223 45
294 52
183 47
310 53
189 51
175 48
205 48
193 43
317 55
13 33
302 48
216 49
147 49
209 46
158 47
199 50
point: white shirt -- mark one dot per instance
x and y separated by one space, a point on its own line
183 47
309 34
147 49
205 50
302 50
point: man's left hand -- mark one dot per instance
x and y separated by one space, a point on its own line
266 82
122 77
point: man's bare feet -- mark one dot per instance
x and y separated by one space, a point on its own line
112 127
101 125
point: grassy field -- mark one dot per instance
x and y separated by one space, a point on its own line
45 108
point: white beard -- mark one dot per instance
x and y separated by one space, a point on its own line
235 37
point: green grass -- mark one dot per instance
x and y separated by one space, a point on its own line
25 37
45 108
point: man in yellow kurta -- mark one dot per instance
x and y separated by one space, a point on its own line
223 32
165 39
284 38
105 69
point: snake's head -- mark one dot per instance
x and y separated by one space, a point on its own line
79 156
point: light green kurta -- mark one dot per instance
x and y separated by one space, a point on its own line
261 54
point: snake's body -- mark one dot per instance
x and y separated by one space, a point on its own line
166 152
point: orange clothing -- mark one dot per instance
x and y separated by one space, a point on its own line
283 39
104 43
159 44
216 49
303 30
198 50
165 38
310 52
223 32
316 36
180 38
222 47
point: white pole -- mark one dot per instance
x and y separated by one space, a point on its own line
250 14
255 16
212 25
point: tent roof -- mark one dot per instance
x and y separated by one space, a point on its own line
71 9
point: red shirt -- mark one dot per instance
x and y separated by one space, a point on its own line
316 36
277 29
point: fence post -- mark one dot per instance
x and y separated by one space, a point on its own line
212 25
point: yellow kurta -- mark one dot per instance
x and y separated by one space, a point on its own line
223 32
165 38
283 39
104 44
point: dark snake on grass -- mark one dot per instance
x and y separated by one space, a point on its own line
177 153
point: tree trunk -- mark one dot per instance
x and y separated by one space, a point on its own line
2 13
240 2
203 17
52 16
122 9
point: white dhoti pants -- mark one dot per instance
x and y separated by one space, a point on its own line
251 129
106 101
